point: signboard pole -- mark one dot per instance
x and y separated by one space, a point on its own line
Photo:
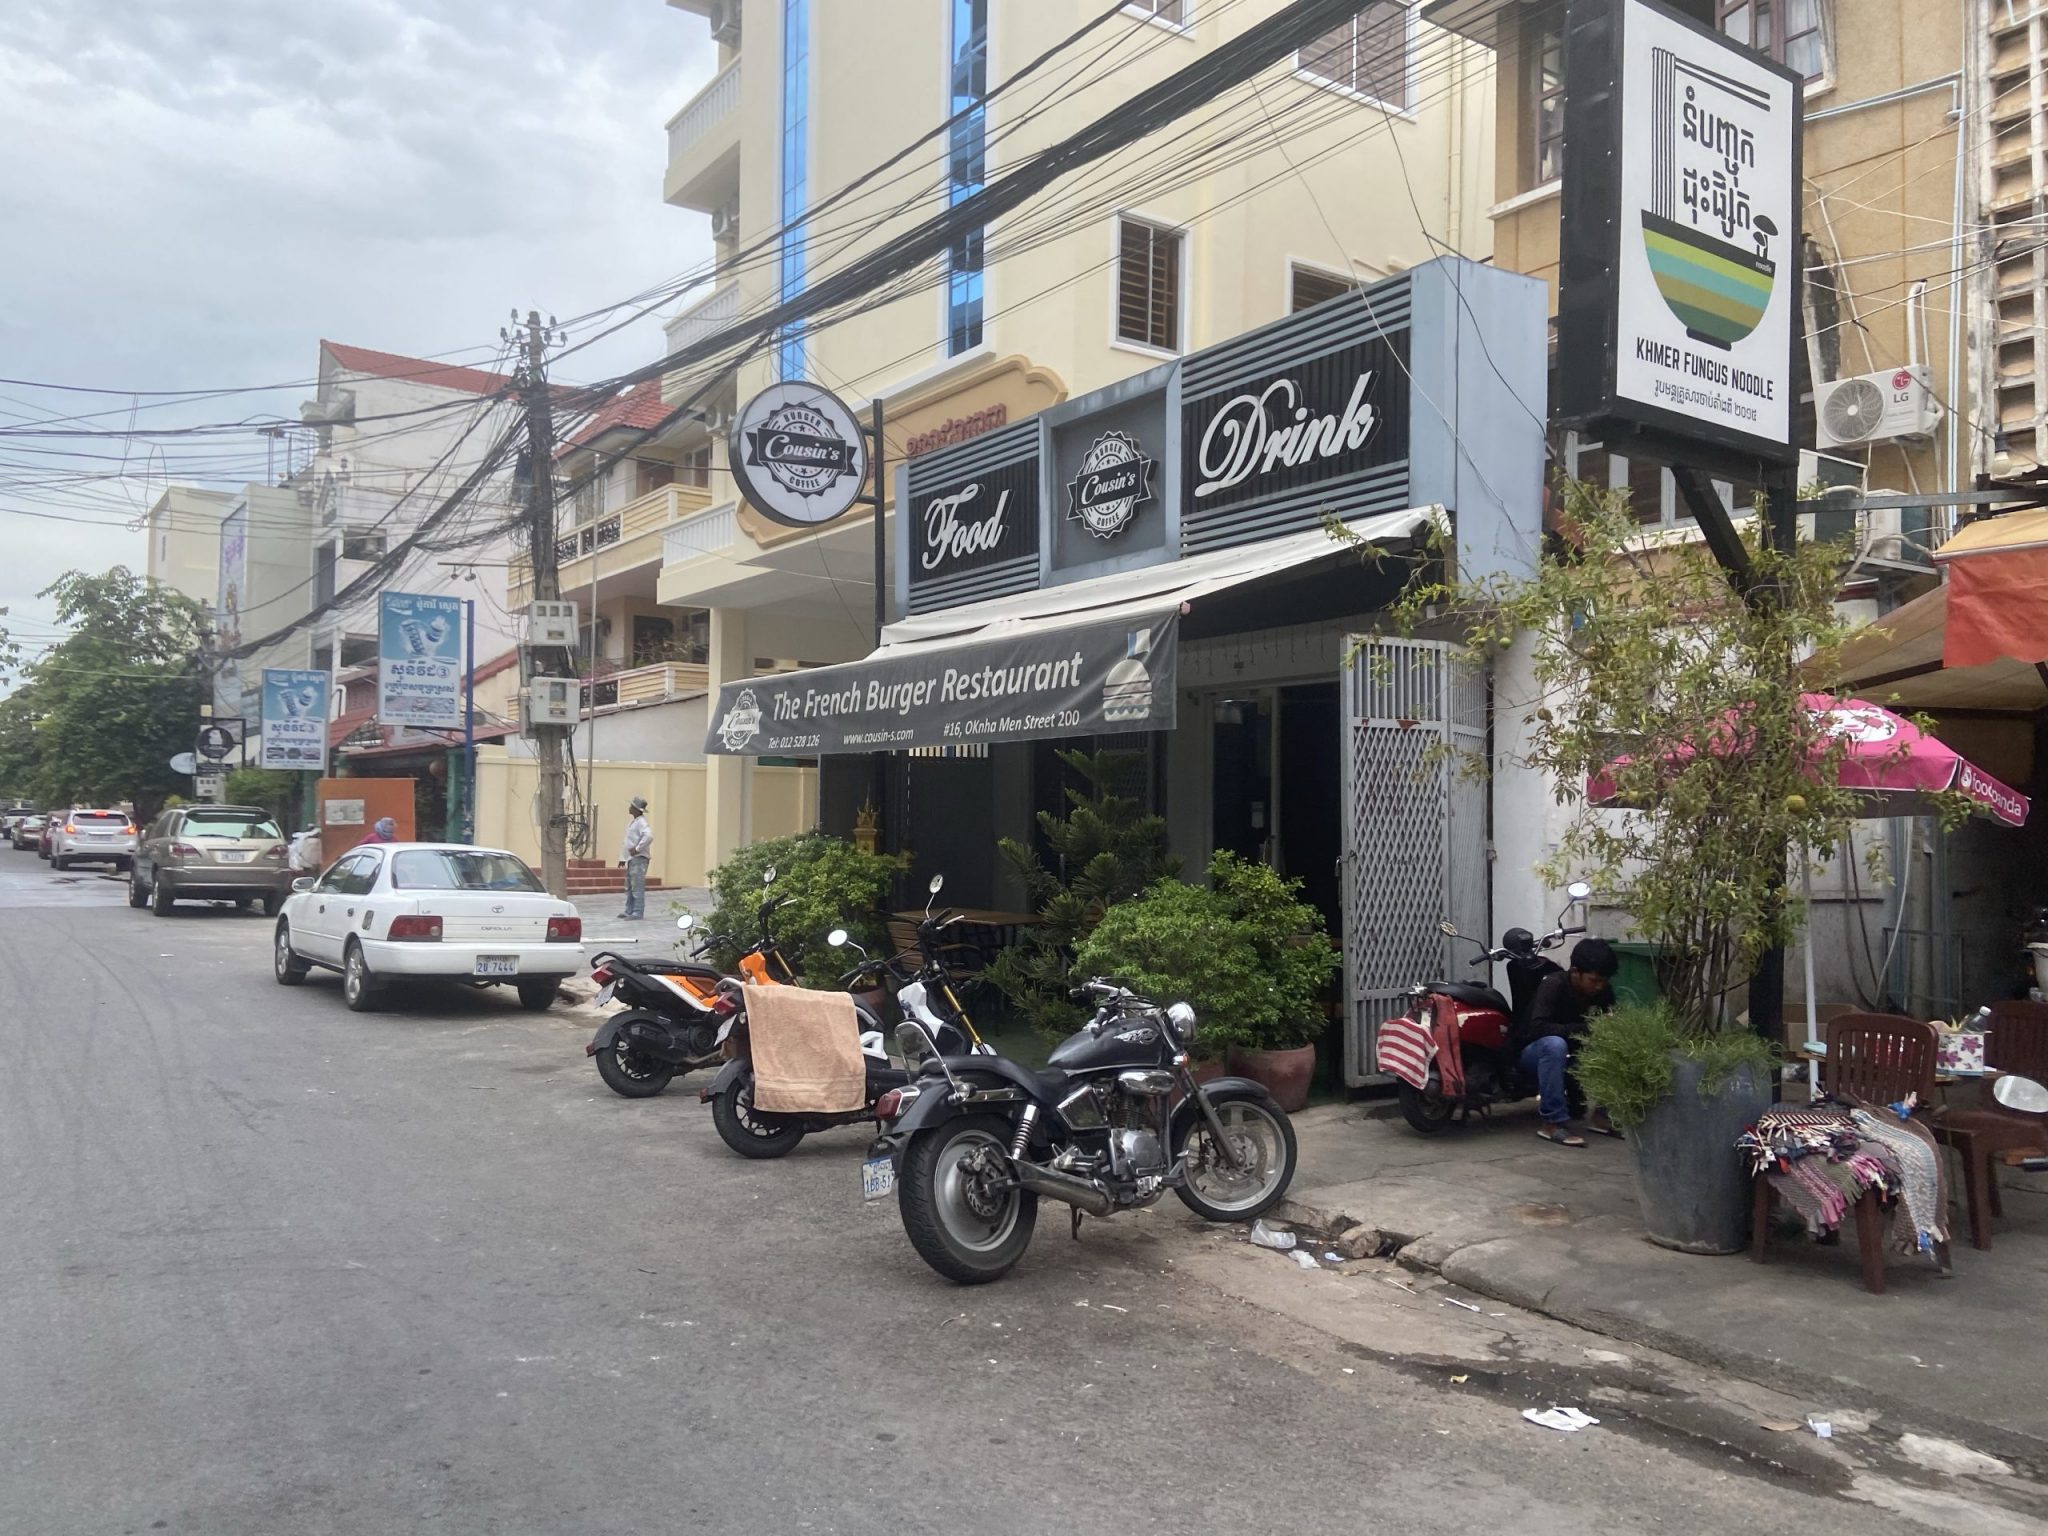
469 721
878 462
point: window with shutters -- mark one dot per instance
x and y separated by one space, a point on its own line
1173 12
1543 49
1369 54
1148 285
1794 32
1310 287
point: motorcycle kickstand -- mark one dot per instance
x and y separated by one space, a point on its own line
1075 1212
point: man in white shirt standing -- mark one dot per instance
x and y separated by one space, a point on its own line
639 846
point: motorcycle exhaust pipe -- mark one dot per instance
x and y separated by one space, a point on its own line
1083 1193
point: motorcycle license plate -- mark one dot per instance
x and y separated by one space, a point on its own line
724 1030
877 1178
496 965
605 996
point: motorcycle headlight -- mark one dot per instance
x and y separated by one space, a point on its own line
1180 1018
911 1042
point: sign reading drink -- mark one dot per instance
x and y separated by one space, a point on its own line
1679 287
798 454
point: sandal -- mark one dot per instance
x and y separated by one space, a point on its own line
1560 1137
1603 1128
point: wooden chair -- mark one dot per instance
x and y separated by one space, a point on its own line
1874 1060
2019 1045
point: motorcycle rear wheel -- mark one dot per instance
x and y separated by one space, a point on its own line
741 1128
1427 1112
966 1232
629 1074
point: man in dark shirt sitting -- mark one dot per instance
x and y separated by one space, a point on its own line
1557 1016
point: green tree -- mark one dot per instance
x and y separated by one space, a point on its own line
1105 849
272 788
825 883
118 696
1643 653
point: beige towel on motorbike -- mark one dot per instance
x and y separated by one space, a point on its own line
806 1050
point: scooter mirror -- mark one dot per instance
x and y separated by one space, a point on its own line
938 884
768 875
2021 1093
687 921
1447 928
1578 890
837 938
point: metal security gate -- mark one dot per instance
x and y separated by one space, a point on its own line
1415 838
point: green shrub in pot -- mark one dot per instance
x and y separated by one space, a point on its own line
1628 1058
830 883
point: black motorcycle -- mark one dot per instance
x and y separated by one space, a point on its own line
1114 1121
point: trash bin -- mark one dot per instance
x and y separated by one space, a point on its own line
1636 980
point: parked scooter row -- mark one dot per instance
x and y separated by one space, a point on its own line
969 1140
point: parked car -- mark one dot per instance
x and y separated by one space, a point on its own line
211 853
27 831
85 836
387 913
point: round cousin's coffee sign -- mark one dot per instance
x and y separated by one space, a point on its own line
798 454
1115 480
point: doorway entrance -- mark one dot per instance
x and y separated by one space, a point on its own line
1275 785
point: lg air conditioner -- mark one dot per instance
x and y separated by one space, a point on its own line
1877 408
551 624
552 701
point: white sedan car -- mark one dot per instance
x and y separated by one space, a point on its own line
392 912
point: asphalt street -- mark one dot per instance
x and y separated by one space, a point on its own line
269 1266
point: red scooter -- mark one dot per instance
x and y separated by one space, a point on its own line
1452 1052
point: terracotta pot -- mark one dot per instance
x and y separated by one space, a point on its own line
1285 1074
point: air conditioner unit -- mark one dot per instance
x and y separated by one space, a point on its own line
1877 408
1841 484
551 624
724 16
725 222
552 701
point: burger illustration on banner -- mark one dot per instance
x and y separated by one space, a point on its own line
742 723
1127 690
1115 480
798 454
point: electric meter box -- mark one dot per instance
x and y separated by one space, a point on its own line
552 701
551 624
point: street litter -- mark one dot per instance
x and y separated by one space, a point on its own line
1305 1260
1333 1258
1453 1301
1779 1426
1399 1285
1459 1381
1275 1238
1348 1371
1569 1420
1822 1428
1110 1306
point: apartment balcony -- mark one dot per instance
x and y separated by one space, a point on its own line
704 145
653 684
621 544
712 313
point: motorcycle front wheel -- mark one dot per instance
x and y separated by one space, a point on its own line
744 1128
957 1213
1427 1112
629 1074
1262 1137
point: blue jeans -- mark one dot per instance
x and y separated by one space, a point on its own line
636 886
1544 1060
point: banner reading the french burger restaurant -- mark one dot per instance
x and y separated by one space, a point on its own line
1086 680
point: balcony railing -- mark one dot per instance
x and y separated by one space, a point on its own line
646 685
711 532
637 519
713 312
704 111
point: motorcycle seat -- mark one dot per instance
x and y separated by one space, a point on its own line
1471 993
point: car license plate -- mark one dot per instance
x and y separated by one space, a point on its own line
496 965
605 996
234 858
877 1178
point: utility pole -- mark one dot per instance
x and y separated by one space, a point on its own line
549 740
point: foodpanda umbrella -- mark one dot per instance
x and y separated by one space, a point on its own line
1891 763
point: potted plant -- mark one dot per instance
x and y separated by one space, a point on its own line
1684 690
828 883
1250 958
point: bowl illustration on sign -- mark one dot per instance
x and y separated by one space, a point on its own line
1718 291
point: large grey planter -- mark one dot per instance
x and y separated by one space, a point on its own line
1690 1180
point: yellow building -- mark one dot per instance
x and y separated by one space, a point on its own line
1366 153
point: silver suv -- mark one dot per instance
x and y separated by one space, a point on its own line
211 853
92 837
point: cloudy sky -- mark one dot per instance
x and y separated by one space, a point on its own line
197 192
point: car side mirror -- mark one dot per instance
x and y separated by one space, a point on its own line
303 883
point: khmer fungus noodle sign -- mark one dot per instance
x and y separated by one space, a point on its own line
1679 286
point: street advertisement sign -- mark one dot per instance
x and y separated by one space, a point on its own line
210 784
798 455
1086 680
1679 283
295 719
419 661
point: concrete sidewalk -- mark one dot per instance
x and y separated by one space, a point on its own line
1555 1230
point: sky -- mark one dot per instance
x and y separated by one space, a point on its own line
196 193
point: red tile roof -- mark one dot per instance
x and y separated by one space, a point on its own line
418 370
639 409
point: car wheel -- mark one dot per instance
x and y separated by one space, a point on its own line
358 988
160 897
271 902
537 994
57 862
285 963
138 893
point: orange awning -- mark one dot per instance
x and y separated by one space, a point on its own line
1997 590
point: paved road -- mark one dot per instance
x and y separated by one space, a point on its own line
271 1266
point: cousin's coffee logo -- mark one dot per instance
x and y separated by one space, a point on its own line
797 447
798 454
742 723
1115 480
